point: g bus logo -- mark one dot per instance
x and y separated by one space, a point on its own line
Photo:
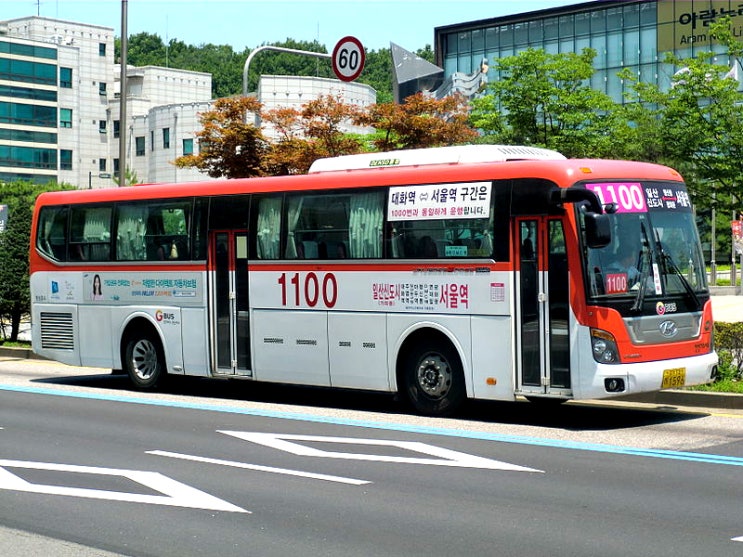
162 316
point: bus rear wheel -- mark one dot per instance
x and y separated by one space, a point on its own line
433 378
144 361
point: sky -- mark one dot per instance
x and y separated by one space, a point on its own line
251 23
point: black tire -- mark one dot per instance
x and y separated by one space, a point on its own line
433 379
144 361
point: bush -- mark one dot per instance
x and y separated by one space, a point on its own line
729 345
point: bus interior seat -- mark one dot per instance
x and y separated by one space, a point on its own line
309 249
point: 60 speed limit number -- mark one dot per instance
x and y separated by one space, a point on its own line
348 59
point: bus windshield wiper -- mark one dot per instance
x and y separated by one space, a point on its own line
640 297
670 265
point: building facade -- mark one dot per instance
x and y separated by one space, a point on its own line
163 105
55 82
60 107
625 34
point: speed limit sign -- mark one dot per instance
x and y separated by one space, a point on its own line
348 59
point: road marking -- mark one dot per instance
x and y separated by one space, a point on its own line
175 494
444 457
703 458
259 468
738 539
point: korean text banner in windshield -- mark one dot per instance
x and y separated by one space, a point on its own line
439 201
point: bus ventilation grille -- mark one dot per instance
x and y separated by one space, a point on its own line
56 331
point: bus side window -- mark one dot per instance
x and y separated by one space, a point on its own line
90 234
268 228
52 231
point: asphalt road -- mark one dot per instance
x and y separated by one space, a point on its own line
228 468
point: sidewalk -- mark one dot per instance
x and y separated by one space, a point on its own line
728 309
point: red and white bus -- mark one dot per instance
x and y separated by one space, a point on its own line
481 272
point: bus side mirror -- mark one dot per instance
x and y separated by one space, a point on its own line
598 229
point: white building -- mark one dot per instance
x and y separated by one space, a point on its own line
55 78
163 105
59 107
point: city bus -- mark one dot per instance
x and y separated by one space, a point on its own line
446 274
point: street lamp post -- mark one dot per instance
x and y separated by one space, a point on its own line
246 68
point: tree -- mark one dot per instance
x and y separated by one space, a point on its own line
420 121
229 146
700 123
546 100
226 66
315 131
130 178
15 301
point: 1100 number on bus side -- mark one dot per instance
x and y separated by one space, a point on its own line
300 289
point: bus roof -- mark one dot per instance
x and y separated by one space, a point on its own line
458 154
563 173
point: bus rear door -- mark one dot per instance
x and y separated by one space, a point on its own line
230 315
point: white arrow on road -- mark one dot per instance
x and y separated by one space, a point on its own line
443 457
174 494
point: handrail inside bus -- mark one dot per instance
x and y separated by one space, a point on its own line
457 154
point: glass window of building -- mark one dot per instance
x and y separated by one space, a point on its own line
65 117
101 165
187 146
551 28
582 24
478 40
166 138
139 146
101 49
535 31
631 16
65 78
65 159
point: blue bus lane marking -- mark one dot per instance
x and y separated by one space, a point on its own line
424 430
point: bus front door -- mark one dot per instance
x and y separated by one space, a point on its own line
542 305
229 315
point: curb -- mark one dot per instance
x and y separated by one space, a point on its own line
19 353
698 399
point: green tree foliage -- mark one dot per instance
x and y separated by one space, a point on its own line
130 178
315 131
378 73
287 63
15 299
546 100
226 65
699 121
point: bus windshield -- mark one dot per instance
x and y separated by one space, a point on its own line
654 251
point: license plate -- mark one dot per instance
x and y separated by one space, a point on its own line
672 378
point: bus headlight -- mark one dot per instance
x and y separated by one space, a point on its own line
604 347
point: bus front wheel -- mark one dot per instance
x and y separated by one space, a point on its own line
433 378
144 361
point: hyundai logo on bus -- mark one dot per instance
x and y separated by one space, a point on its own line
668 328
